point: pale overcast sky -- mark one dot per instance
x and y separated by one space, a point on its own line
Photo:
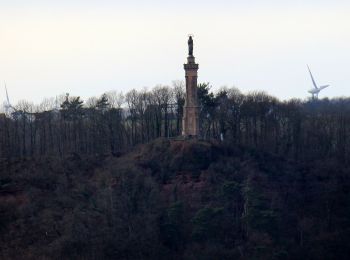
89 47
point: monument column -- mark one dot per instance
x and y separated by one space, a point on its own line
190 120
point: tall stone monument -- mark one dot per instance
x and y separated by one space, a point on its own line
190 120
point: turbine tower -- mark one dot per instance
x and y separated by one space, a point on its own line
316 90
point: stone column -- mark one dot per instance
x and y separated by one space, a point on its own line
190 120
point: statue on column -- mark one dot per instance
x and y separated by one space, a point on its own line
190 46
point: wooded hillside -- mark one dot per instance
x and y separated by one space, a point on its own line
174 200
107 179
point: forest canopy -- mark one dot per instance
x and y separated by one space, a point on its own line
116 122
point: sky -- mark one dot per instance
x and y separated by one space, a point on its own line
88 47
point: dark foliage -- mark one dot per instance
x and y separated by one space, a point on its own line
161 202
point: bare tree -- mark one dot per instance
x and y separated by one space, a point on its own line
116 99
179 96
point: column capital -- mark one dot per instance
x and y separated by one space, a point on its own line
191 66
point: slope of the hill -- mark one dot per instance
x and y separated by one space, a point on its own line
174 200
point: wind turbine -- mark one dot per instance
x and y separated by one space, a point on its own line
316 90
8 107
7 103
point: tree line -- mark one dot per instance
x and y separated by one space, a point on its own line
115 122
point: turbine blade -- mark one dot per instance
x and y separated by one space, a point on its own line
7 95
322 87
312 78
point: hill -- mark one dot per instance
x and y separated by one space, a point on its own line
172 199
